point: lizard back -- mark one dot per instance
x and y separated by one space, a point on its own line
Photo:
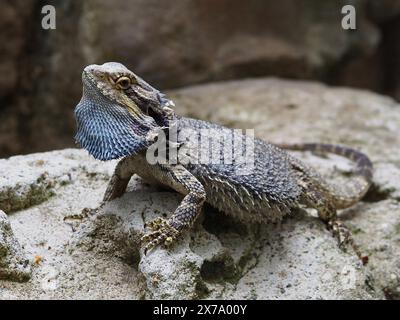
264 190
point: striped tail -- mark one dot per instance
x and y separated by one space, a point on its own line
343 196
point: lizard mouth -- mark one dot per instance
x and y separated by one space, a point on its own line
160 109
161 115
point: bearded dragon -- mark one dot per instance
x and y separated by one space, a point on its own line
122 116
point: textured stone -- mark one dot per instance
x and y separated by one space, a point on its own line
97 254
13 264
38 180
290 111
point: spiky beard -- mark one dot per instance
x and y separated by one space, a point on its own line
108 130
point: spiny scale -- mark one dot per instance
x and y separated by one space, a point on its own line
106 131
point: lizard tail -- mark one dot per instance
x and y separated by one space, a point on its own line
348 195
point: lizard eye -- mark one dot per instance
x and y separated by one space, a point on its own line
123 83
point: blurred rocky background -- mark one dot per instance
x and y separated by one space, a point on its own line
174 43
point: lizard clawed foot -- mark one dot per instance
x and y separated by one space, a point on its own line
80 216
156 224
86 212
163 233
345 238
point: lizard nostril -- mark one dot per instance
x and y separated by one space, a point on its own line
90 68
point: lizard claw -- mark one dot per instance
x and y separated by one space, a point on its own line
156 224
163 233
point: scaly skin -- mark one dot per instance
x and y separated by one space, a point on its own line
120 115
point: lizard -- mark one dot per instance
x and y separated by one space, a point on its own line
120 116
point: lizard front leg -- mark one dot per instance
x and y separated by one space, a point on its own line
115 188
119 180
166 231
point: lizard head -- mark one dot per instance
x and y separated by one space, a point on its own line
118 112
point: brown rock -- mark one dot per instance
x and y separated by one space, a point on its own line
13 24
170 44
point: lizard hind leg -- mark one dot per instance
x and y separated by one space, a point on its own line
345 238
327 213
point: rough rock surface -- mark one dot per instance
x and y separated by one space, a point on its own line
292 111
96 254
13 264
